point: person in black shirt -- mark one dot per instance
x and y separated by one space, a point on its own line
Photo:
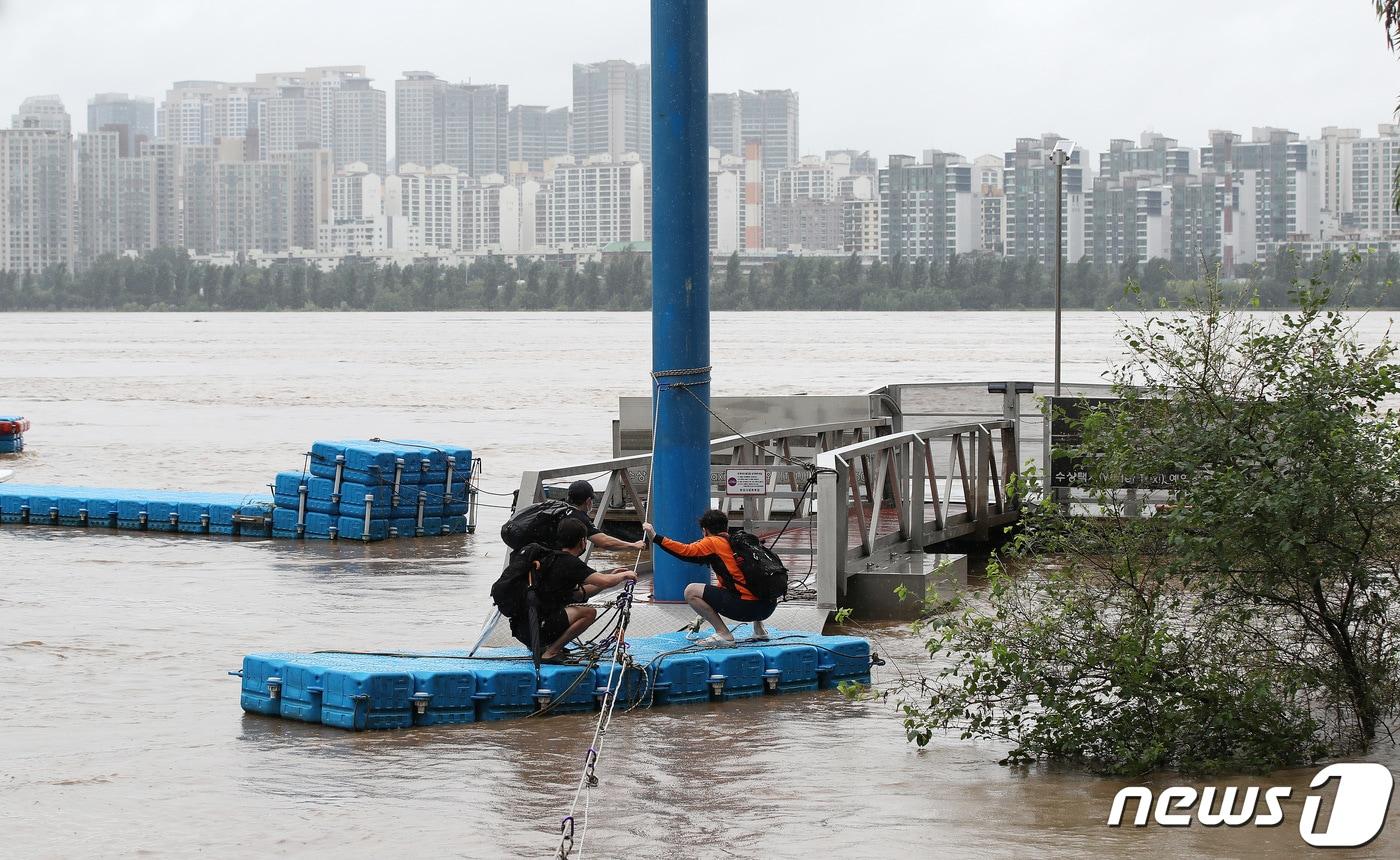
565 579
581 497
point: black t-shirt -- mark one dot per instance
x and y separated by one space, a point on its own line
582 516
563 575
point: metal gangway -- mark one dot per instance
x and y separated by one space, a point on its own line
928 463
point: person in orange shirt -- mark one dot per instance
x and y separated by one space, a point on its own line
731 598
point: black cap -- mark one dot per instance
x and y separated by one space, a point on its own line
580 491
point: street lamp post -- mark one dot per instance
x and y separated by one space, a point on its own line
1059 157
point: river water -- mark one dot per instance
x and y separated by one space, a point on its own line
120 733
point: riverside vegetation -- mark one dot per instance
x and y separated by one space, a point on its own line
168 280
1248 624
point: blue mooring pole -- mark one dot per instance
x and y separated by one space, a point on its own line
680 298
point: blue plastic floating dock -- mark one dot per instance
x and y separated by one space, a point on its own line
394 691
352 490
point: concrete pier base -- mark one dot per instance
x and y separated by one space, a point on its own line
873 594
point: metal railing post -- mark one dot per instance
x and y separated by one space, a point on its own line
831 552
917 483
983 445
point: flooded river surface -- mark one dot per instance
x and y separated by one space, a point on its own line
120 731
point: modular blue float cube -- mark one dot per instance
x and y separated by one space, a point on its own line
381 691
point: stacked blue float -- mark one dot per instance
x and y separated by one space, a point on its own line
12 429
370 490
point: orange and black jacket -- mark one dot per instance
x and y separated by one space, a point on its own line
715 551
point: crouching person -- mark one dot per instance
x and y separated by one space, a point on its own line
538 587
732 596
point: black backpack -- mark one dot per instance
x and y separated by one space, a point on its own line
764 573
510 592
539 523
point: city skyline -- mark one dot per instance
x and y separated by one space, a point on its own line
1340 77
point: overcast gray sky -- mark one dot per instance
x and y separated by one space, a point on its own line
891 76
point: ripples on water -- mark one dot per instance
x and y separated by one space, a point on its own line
120 732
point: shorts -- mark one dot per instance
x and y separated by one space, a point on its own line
730 605
553 623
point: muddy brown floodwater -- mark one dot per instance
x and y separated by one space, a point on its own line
120 731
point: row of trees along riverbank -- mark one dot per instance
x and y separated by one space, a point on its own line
170 280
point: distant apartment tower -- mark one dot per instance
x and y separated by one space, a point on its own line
358 125
428 199
253 206
1271 175
597 202
136 204
726 201
131 116
43 112
201 112
166 157
1031 203
461 125
860 227
291 120
726 124
770 117
535 133
1373 164
98 229
926 210
1154 153
611 110
197 195
861 161
803 203
36 204
309 174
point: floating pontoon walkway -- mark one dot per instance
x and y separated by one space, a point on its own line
365 490
359 691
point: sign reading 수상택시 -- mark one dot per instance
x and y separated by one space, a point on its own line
1071 472
745 482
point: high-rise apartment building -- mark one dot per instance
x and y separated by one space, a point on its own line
461 125
36 204
98 229
1154 153
198 196
726 184
309 173
1373 164
166 158
358 125
770 117
535 133
927 210
131 116
44 112
1270 173
252 206
291 120
1031 204
596 203
430 202
136 204
803 202
611 110
726 124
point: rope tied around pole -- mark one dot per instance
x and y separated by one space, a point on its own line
689 371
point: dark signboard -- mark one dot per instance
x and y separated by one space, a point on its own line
1067 472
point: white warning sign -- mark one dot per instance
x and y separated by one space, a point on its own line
745 482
